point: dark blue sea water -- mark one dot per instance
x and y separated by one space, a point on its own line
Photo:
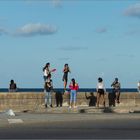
60 89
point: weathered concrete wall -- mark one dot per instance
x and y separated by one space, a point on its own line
20 101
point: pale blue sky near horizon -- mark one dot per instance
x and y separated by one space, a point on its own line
96 38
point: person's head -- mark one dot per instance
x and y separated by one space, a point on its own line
12 81
116 79
91 93
100 79
66 65
46 66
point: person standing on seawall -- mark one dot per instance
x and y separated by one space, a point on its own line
48 91
116 89
66 70
100 92
73 93
138 86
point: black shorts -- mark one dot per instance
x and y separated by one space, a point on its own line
101 91
65 77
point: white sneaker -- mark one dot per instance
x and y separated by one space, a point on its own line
70 107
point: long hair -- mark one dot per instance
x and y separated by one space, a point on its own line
46 66
73 82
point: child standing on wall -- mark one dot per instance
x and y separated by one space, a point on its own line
73 93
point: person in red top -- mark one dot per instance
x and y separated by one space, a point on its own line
73 87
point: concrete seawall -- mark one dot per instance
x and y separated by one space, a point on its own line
20 101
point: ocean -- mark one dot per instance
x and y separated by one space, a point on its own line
60 89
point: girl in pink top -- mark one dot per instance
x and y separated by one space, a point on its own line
73 87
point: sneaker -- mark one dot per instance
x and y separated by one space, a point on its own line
70 107
51 106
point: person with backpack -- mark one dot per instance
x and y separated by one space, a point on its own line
73 93
48 91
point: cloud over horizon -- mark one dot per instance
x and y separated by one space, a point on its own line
101 30
73 48
35 29
133 11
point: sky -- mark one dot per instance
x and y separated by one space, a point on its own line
97 38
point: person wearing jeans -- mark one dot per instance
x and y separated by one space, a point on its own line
48 91
73 87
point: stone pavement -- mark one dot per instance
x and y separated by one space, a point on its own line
66 114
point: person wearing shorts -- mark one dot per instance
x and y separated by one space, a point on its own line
100 92
66 70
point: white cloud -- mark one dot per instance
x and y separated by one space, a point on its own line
133 11
101 30
35 29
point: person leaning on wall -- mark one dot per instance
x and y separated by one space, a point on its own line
12 86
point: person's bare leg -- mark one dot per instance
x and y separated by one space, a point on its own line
65 85
98 99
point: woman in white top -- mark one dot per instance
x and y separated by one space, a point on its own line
46 71
100 92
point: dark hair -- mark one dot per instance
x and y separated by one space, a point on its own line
46 66
73 82
12 81
100 79
116 79
65 65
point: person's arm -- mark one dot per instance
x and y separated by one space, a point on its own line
86 96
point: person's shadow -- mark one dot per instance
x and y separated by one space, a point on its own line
92 99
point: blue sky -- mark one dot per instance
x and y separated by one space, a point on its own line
96 38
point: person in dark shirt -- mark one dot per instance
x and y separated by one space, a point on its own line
12 86
92 99
116 89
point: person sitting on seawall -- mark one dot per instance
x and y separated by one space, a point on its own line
12 86
116 89
73 87
92 99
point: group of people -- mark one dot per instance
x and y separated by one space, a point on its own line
101 91
48 85
114 96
